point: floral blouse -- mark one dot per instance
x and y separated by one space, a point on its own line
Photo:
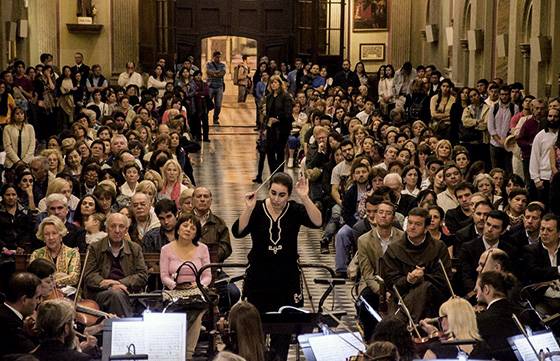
67 262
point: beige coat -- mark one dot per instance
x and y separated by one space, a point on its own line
369 253
10 140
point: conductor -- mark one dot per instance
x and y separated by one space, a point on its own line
272 278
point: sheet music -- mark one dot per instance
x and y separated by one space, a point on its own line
336 347
166 334
125 333
161 336
540 342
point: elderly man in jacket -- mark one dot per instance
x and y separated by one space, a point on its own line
115 267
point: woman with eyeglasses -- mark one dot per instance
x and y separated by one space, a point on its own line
457 321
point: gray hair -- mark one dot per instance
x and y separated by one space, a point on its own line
56 197
113 215
392 176
228 356
52 220
52 316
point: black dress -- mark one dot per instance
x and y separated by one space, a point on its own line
272 279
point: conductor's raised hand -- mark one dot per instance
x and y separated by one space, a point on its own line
250 200
302 187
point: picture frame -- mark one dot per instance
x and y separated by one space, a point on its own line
372 52
370 15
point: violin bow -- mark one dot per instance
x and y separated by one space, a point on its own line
406 311
453 295
81 279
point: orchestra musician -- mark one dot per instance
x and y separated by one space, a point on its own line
246 333
495 324
22 296
458 322
55 320
412 265
273 277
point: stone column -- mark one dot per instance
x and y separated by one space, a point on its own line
43 29
400 35
124 19
526 62
465 59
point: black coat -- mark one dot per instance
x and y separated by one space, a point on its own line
455 220
470 254
538 264
12 337
463 236
495 325
54 350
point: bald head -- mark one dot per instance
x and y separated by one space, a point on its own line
493 259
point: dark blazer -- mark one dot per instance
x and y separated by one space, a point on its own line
405 204
538 264
463 236
470 254
455 220
349 204
517 236
495 325
54 350
12 337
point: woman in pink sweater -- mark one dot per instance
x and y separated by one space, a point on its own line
186 247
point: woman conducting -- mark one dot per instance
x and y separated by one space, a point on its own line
67 260
272 278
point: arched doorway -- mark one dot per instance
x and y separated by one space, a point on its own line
232 49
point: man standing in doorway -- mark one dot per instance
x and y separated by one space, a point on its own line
243 80
215 70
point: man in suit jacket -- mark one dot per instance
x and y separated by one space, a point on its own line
527 233
495 324
466 234
80 67
371 247
494 228
23 293
539 262
404 202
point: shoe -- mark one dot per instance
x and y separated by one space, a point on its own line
341 275
257 180
290 162
206 140
325 246
216 123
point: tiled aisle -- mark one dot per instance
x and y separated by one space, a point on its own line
226 166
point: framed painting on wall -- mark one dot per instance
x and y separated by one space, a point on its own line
372 52
369 15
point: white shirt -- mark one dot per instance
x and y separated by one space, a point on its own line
18 314
539 163
363 116
487 245
126 80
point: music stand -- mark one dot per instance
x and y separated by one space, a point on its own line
107 338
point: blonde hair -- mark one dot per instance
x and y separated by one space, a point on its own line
145 187
168 164
52 220
279 80
484 176
442 142
156 176
187 193
47 152
461 318
56 185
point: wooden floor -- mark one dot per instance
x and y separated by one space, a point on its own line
226 166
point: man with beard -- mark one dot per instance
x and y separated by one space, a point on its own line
23 294
353 209
411 264
55 320
346 78
539 164
529 130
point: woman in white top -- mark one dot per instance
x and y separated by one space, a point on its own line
412 179
386 89
18 139
157 80
62 186
131 173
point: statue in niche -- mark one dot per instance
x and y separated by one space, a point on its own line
85 8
